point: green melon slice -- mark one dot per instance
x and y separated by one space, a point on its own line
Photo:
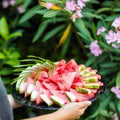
81 67
92 85
83 90
70 96
57 100
91 79
46 99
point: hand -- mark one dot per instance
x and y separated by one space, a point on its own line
73 111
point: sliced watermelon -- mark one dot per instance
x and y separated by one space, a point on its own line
67 79
50 85
22 87
91 79
46 99
57 100
34 95
92 85
68 82
81 67
70 96
83 90
61 95
79 96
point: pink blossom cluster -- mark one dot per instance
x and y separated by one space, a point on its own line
115 117
114 37
75 7
116 91
7 3
95 49
100 30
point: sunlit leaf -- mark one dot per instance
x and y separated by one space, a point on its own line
4 30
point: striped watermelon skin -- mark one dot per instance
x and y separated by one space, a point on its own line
65 78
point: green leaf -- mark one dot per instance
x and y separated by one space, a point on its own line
15 34
41 12
26 4
2 56
51 13
118 79
40 31
91 15
6 71
117 9
12 62
14 55
103 9
29 14
53 32
111 18
53 1
109 64
81 27
90 61
4 30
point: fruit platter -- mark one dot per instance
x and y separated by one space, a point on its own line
50 85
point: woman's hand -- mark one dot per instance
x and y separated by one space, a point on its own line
73 111
12 102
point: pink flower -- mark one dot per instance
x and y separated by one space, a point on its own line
115 117
116 23
95 49
71 5
79 14
5 4
49 5
81 3
115 46
20 9
116 91
100 30
118 37
111 37
86 0
12 2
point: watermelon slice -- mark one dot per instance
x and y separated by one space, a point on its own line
57 100
70 96
46 99
92 85
83 90
61 95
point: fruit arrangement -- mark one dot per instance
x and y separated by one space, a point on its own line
58 83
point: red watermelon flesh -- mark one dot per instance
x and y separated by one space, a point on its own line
50 85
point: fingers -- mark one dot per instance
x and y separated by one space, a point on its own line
84 104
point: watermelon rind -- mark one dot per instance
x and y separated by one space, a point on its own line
83 90
81 67
57 100
70 96
91 73
34 95
91 79
30 89
92 86
46 99
22 87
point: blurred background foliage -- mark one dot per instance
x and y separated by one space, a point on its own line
28 28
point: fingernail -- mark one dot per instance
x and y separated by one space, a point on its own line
89 103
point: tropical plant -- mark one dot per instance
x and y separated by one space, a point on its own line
9 55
